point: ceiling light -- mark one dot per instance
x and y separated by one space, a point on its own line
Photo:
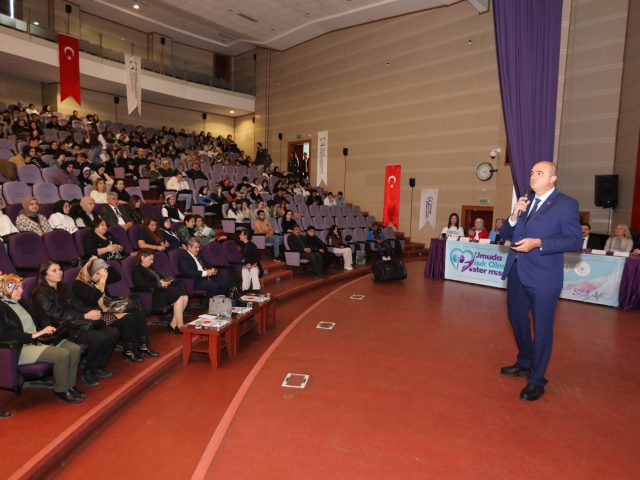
136 6
36 23
232 111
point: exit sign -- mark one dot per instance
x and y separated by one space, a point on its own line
483 201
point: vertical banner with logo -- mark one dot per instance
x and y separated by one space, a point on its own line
428 206
391 208
132 79
323 161
69 67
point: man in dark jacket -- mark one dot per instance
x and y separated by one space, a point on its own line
317 245
191 265
298 243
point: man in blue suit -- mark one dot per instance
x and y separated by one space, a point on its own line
540 230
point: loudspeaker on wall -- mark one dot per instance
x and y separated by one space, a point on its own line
345 151
412 182
606 191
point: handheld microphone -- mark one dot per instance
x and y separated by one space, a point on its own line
527 194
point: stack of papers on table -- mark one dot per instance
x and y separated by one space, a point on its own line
254 298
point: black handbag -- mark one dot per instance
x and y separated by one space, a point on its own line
54 338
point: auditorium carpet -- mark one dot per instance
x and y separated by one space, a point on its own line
406 385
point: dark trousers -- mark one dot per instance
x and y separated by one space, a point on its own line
133 328
101 343
534 352
317 262
383 248
213 286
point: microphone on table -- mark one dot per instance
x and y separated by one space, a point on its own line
527 194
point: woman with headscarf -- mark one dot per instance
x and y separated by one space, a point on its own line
86 213
478 231
169 236
61 219
89 288
29 220
53 301
164 290
84 177
170 210
19 324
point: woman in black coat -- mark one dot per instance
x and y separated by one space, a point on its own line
250 262
164 290
53 302
18 324
100 243
89 288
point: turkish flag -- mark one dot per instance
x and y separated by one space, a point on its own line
391 209
68 56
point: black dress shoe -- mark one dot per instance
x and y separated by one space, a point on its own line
89 378
144 348
514 370
177 331
532 392
132 356
68 397
100 373
78 393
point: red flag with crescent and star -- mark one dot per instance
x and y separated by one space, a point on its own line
391 209
69 67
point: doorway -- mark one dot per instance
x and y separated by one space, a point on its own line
471 212
299 147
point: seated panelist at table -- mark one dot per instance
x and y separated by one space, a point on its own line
453 228
478 231
620 240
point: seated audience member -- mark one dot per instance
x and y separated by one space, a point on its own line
170 210
494 235
298 243
314 198
17 323
6 225
151 237
100 171
329 200
90 287
478 231
340 248
120 189
65 175
619 241
29 220
339 199
165 291
250 263
84 177
383 247
317 245
153 174
114 214
195 172
255 196
54 304
135 210
288 222
188 229
589 242
165 169
206 233
61 219
453 228
169 235
99 192
262 226
86 214
204 199
191 265
178 184
100 243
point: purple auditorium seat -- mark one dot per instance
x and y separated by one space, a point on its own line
336 211
116 284
215 255
27 286
351 222
325 210
318 223
162 265
9 377
370 221
12 211
26 250
346 211
151 210
328 222
174 255
120 237
298 199
78 238
61 247
134 232
6 154
361 222
145 296
70 192
292 258
69 275
355 210
50 174
303 209
29 174
8 144
14 192
314 210
46 193
135 191
341 222
6 266
234 257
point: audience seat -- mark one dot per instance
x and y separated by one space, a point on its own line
29 174
46 193
27 251
14 192
70 192
61 247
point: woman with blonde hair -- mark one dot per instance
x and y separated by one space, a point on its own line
620 239
99 192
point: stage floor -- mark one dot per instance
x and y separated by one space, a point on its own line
407 385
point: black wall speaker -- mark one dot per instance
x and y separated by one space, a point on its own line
116 100
67 8
163 40
204 116
412 182
345 151
606 191
279 136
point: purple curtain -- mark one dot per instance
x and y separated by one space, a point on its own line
528 48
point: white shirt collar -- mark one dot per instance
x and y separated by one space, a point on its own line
543 198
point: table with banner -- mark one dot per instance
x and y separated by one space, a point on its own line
587 278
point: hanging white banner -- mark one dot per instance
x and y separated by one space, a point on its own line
428 206
323 160
132 79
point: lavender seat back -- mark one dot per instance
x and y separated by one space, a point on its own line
8 370
27 287
69 275
118 288
119 234
61 246
12 211
46 193
14 192
50 174
328 222
29 174
69 192
351 222
314 210
78 237
134 232
26 250
145 297
341 222
162 265
325 210
318 223
361 222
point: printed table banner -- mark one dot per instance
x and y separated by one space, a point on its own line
587 278
132 79
428 207
68 57
323 161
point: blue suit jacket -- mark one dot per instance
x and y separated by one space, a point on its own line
557 224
